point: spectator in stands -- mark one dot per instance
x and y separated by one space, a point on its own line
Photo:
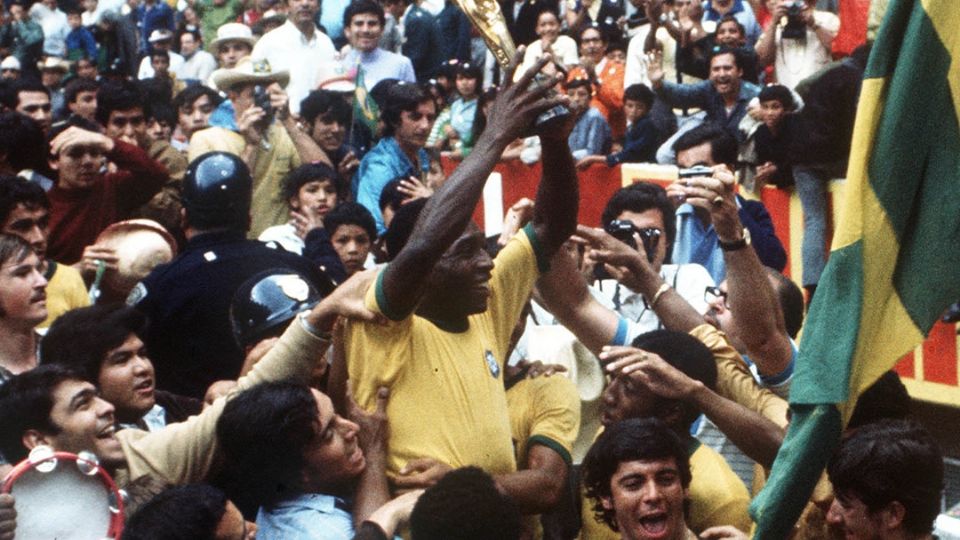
23 151
233 42
198 64
643 138
86 68
637 475
154 18
454 127
421 39
160 40
466 503
80 95
52 72
161 120
55 27
591 133
714 10
25 212
408 114
79 41
562 48
607 77
25 36
311 193
10 68
363 25
296 47
194 106
800 47
102 343
31 98
522 17
605 15
23 300
195 511
888 481
327 118
694 57
774 137
352 233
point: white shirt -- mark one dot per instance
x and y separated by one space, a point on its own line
146 70
287 49
199 66
55 29
798 59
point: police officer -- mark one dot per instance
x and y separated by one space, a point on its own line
188 300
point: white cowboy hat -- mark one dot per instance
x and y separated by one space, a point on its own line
10 62
160 35
52 63
233 32
248 71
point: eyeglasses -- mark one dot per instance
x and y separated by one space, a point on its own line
713 295
122 121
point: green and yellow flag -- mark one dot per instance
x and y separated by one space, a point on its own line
895 261
365 110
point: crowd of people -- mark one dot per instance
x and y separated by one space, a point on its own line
234 267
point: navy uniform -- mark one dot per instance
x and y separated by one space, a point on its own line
189 336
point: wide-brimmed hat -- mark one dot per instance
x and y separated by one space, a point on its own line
160 35
233 32
10 62
52 63
248 70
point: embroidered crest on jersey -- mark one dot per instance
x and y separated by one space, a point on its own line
492 364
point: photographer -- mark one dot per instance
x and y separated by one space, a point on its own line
797 41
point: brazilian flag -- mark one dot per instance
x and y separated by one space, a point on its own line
365 110
895 261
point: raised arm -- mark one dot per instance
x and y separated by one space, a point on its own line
449 210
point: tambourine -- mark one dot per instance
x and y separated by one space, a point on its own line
64 496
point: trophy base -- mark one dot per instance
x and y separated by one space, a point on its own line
553 114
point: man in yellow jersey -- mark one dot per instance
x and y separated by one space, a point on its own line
452 308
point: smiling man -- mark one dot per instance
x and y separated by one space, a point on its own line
22 306
637 475
363 25
102 342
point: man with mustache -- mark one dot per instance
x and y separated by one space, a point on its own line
363 25
297 46
23 306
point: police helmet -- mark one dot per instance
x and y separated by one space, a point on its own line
269 300
217 190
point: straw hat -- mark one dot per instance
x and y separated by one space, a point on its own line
10 62
52 63
233 32
248 71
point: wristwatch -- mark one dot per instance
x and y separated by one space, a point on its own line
743 242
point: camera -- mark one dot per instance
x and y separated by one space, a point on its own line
623 230
261 98
795 27
696 170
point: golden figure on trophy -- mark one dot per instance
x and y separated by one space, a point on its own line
486 17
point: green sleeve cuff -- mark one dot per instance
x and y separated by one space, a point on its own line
381 297
551 444
543 262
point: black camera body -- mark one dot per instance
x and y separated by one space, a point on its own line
795 27
623 230
261 98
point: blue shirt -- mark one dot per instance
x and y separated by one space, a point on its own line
331 17
81 40
383 163
462 114
742 12
156 17
379 64
590 135
704 96
309 516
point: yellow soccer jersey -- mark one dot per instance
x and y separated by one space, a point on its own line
544 410
65 291
447 399
717 497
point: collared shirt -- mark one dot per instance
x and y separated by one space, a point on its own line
306 517
146 68
197 66
462 113
697 243
383 163
55 29
288 49
704 96
379 64
154 420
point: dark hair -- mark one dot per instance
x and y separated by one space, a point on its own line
327 105
358 7
117 96
401 97
190 512
641 197
162 112
22 142
81 338
790 299
158 53
264 432
578 82
76 86
15 190
72 9
730 18
390 195
297 178
192 93
891 461
24 84
480 118
779 93
737 58
195 33
470 71
688 355
636 439
641 93
13 247
886 398
25 403
465 505
723 147
402 226
350 213
72 121
593 26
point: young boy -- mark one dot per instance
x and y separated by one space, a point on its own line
311 192
642 139
352 233
80 42
591 134
773 136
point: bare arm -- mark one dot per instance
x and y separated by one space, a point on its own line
757 436
766 46
757 317
539 486
451 207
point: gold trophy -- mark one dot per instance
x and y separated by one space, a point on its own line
486 17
